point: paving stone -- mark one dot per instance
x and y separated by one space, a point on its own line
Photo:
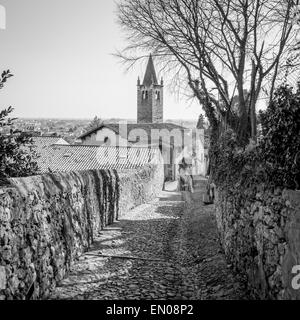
186 241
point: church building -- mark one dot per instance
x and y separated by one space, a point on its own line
150 130
150 97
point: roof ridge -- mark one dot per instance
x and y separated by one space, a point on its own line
115 126
60 137
97 146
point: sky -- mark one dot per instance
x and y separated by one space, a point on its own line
60 52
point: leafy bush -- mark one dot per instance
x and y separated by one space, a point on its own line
17 157
280 146
234 166
275 161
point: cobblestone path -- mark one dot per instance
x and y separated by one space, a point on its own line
157 251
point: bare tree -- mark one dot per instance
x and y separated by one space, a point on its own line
223 48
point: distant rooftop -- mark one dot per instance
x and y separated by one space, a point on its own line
131 126
46 141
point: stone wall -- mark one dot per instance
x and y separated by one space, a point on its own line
260 233
47 221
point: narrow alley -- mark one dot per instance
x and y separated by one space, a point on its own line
159 250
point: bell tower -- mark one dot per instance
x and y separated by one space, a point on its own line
150 97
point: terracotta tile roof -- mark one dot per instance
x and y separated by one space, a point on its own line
84 157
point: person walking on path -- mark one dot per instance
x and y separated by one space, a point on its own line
209 196
185 183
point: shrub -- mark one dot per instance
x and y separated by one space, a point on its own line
275 160
280 146
17 157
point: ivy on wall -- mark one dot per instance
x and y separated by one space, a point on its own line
275 160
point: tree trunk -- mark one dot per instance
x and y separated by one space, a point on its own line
253 122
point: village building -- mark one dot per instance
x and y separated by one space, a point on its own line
173 141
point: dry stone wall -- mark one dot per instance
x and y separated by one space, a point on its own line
47 221
260 233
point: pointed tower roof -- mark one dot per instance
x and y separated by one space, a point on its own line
150 75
